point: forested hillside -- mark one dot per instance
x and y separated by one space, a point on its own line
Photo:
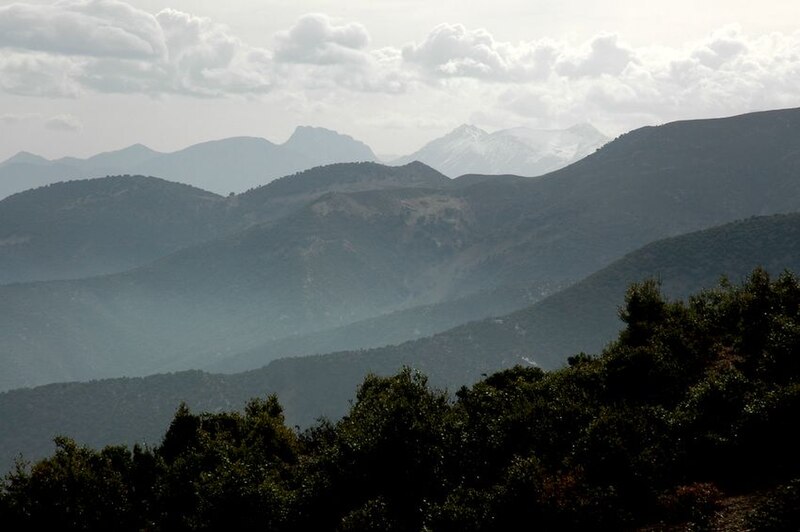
686 420
99 226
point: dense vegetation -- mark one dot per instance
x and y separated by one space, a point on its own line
692 407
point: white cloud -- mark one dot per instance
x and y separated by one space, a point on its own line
67 123
110 46
451 50
604 56
39 74
723 46
78 47
727 73
104 28
558 82
318 40
12 119
321 54
202 59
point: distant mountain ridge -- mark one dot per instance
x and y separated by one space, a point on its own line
221 166
238 164
520 150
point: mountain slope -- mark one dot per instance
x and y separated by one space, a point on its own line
651 183
91 227
393 328
108 225
581 317
520 151
340 259
286 194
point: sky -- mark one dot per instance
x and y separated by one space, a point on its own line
78 77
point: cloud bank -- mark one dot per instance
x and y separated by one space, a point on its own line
78 47
111 46
317 40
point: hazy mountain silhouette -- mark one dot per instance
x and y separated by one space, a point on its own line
242 163
221 166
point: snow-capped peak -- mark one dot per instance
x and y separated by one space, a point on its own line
522 151
467 131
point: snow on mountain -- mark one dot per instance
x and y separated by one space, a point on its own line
520 150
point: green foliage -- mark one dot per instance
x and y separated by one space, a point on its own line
228 469
79 489
695 402
386 458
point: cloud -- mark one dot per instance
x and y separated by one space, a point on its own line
727 73
96 28
548 81
111 46
74 47
604 56
66 123
723 46
317 40
202 59
451 50
12 119
38 74
319 54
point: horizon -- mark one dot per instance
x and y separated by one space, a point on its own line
282 142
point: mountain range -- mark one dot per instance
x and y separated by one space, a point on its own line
221 166
520 150
234 165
